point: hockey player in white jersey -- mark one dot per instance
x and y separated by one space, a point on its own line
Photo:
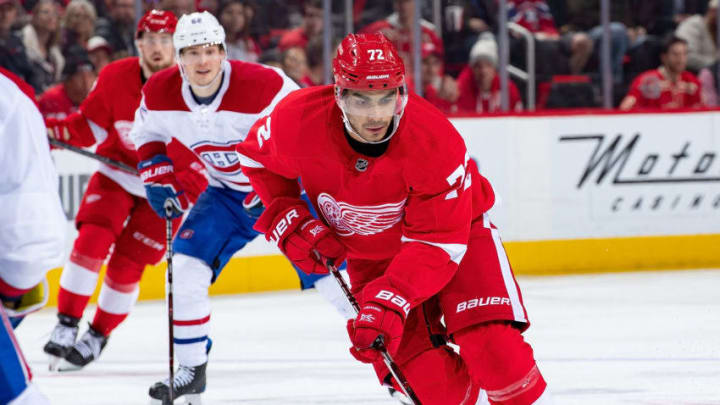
209 104
32 229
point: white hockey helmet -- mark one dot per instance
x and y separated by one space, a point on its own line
197 29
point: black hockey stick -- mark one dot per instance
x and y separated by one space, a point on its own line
379 344
110 162
168 256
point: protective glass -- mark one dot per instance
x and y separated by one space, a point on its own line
373 104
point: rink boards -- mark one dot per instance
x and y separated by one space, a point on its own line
576 193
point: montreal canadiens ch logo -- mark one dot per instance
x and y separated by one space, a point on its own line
220 156
356 219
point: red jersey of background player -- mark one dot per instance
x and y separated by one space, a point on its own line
106 117
376 204
654 89
55 103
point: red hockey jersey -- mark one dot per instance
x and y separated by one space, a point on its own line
411 205
654 89
110 110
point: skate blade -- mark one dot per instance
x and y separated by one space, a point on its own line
53 362
65 365
189 399
193 399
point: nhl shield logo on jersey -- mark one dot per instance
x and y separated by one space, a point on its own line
219 156
365 220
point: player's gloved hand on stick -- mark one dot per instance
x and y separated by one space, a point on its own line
157 173
383 311
306 241
57 129
193 180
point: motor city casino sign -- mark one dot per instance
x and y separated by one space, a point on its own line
596 176
650 177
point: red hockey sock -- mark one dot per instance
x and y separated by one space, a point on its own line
105 322
79 277
502 363
71 304
439 377
118 293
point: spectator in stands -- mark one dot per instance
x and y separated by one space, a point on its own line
78 76
271 57
12 50
438 88
119 29
576 48
179 7
100 52
294 63
40 39
240 45
316 66
699 31
668 87
463 22
709 85
479 83
211 6
580 16
78 24
311 27
398 28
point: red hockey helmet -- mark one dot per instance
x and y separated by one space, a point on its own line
156 21
368 62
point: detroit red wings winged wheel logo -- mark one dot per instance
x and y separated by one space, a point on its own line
357 219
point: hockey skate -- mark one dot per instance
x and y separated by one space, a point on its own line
189 383
84 351
61 340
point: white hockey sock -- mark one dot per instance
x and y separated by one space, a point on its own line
191 309
78 279
330 290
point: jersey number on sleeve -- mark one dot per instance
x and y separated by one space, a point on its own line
263 133
459 178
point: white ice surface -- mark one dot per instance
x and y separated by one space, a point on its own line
633 338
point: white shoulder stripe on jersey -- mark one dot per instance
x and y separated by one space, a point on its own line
247 162
456 251
99 132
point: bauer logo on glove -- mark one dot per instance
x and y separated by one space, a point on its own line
161 186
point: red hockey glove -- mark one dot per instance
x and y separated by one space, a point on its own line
382 313
57 129
193 180
301 237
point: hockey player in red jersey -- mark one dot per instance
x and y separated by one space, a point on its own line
114 210
399 197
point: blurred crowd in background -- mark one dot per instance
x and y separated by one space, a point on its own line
663 53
